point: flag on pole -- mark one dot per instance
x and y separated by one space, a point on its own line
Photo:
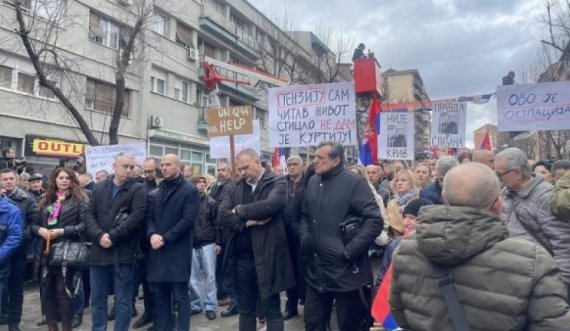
280 158
486 143
369 147
381 307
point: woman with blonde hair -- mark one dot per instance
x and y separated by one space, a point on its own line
405 189
63 208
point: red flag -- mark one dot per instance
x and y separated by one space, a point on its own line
373 128
381 307
486 143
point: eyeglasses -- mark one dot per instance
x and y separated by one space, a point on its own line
501 174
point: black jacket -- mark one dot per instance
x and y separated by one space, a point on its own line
273 264
205 231
29 212
100 219
174 211
71 220
329 200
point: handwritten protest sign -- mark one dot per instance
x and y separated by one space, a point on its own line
305 115
102 157
228 121
220 146
396 136
542 106
449 122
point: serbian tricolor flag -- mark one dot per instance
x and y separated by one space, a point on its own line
486 143
381 307
369 146
280 158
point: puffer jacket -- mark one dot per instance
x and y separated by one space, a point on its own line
560 200
502 283
533 208
30 215
11 220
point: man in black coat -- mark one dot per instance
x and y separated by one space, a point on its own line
115 245
169 229
258 259
339 268
14 294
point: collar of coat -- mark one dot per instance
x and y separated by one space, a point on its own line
17 194
267 177
332 171
126 186
527 190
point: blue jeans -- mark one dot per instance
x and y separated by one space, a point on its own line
163 305
101 278
203 261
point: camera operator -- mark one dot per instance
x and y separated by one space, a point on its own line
10 161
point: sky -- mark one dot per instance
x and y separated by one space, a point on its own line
460 47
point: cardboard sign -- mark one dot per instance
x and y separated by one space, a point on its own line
228 121
305 115
102 157
542 106
449 122
396 136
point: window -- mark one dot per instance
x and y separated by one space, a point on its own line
103 31
45 92
101 97
202 99
48 9
159 23
261 117
25 5
181 91
184 36
5 77
25 83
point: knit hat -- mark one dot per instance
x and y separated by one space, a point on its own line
413 207
195 179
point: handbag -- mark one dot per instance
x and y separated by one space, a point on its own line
70 253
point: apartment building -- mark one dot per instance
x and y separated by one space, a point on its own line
166 96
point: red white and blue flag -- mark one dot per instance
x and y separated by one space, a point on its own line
280 158
381 307
369 147
486 143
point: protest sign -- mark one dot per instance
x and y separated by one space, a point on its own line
449 122
305 115
102 157
227 121
396 136
220 146
542 106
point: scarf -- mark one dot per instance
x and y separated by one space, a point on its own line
55 208
404 199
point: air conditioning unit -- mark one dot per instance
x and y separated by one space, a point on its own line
156 122
192 54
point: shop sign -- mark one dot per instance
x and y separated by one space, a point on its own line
41 146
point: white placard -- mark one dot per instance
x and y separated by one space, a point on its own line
102 157
220 146
542 106
396 136
305 115
449 122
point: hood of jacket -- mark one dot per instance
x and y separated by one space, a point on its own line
449 235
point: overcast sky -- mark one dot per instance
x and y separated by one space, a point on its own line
460 47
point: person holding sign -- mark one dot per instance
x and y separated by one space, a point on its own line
257 255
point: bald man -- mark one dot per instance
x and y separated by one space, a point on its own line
170 225
501 283
486 157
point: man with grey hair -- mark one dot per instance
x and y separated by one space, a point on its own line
116 213
526 210
464 247
339 221
258 259
486 157
432 192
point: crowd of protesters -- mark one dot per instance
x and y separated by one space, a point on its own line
323 234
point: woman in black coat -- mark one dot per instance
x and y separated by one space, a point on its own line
63 208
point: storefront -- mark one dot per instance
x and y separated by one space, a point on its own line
193 151
43 154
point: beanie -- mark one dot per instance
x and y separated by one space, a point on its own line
413 207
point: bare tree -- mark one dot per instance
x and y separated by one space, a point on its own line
38 28
338 46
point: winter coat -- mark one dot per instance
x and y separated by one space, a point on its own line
71 220
386 262
432 192
29 214
331 198
273 265
100 219
205 231
560 200
11 220
502 283
533 208
175 210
